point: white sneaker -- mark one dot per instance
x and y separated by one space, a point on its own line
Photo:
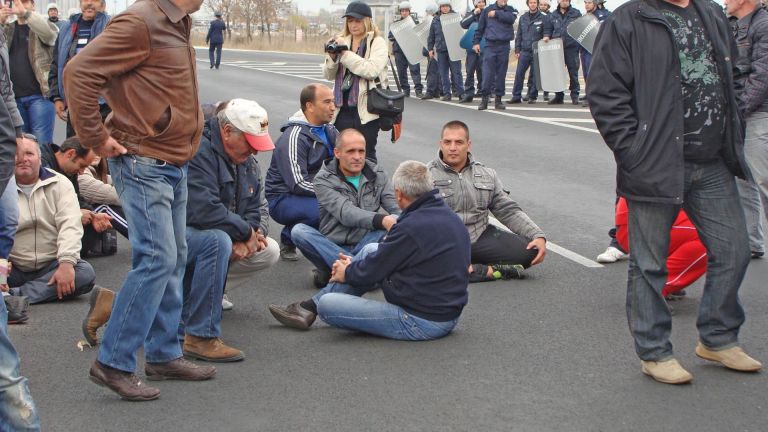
226 304
611 255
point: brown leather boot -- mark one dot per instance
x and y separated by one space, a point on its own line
125 384
98 314
179 369
210 349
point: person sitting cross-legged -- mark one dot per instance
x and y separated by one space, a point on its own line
421 266
357 207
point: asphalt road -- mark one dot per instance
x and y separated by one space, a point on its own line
548 353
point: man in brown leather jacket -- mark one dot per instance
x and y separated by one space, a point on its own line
144 65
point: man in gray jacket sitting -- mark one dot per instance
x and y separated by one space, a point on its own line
474 192
357 207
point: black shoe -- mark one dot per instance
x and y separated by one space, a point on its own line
525 98
288 253
757 255
508 271
499 105
531 101
514 101
407 94
418 93
555 101
211 66
466 99
575 100
17 308
546 98
217 67
446 98
427 96
320 278
483 104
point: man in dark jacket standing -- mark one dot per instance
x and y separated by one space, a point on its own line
752 40
306 142
496 26
401 61
438 49
153 132
678 142
529 30
421 267
555 27
215 39
473 66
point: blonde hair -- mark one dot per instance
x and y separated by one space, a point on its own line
370 26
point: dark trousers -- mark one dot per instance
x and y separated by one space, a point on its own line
586 59
524 63
34 284
473 67
572 63
450 73
498 246
401 63
290 210
217 48
349 118
495 64
433 78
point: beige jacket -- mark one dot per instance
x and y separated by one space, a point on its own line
373 65
96 191
42 38
49 224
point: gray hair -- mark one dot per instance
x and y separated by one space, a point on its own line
413 179
224 120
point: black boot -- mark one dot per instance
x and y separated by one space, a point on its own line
483 104
499 105
466 99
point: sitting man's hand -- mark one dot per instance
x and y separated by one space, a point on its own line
340 267
239 251
64 279
86 216
389 221
541 245
101 222
256 243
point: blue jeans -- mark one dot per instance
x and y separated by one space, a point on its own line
473 67
403 67
9 217
289 210
207 265
495 65
341 305
444 66
525 63
712 203
147 310
17 409
39 115
322 252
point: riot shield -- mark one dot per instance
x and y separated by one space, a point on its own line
549 65
584 31
407 39
452 32
422 32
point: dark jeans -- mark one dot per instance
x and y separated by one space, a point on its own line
495 65
498 246
290 210
401 62
34 284
433 78
525 63
217 48
572 63
711 201
473 67
349 118
586 60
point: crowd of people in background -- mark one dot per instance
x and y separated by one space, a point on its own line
142 158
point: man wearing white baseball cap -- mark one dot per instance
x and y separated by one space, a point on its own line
53 15
225 230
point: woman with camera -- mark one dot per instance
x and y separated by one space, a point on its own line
355 60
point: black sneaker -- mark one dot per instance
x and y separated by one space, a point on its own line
509 271
419 94
677 295
17 308
288 253
757 255
446 98
514 101
320 278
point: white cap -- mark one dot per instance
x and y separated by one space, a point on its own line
251 119
52 6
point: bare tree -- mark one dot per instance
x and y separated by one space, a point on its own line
226 7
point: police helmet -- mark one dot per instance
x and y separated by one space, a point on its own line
444 2
404 5
431 8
